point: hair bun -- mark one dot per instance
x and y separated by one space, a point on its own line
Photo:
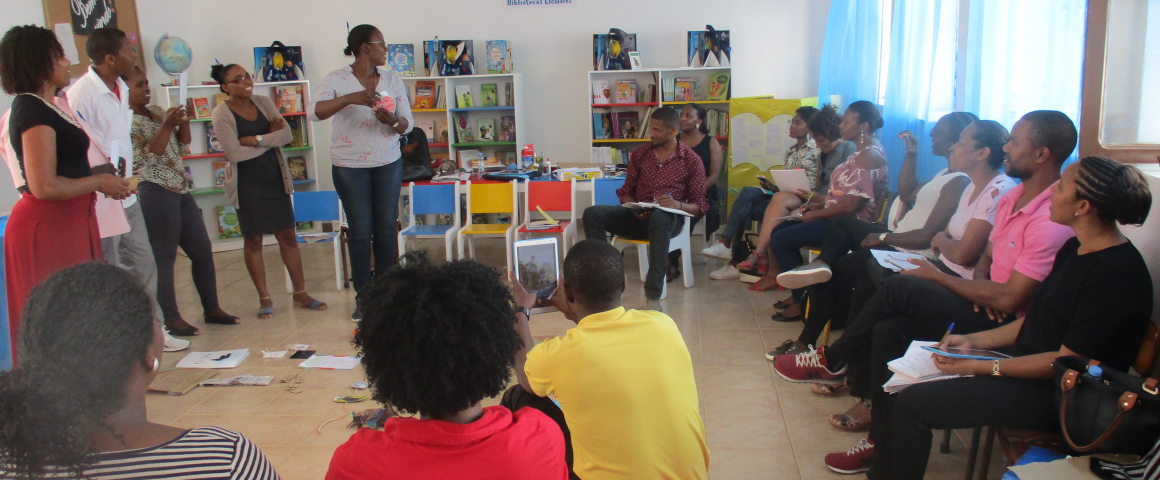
346 51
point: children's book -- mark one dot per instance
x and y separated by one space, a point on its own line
228 226
463 96
719 86
219 173
297 167
201 107
684 92
289 99
219 98
428 56
442 129
462 128
212 145
428 127
297 131
598 132
507 94
629 124
470 159
401 59
625 91
507 129
499 57
487 90
189 178
486 129
600 92
424 94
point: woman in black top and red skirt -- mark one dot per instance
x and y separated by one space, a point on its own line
54 224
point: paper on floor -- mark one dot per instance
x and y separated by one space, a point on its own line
330 362
215 359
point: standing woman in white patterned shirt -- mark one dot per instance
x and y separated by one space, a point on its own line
364 148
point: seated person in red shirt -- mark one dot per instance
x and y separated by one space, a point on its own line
435 341
665 172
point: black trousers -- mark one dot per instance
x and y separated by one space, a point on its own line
904 309
174 220
658 229
902 447
841 298
845 235
516 398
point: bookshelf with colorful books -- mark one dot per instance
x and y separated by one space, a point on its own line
206 164
485 113
622 101
429 108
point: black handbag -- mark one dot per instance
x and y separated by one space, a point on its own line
416 169
1116 413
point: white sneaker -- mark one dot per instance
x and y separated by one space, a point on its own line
725 273
174 344
811 273
718 250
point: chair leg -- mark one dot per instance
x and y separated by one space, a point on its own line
345 245
945 446
687 260
973 452
471 245
460 240
642 253
988 446
337 245
447 239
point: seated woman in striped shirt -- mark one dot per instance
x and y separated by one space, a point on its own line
75 407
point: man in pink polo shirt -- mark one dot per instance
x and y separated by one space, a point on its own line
923 303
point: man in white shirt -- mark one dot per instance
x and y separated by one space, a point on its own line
101 98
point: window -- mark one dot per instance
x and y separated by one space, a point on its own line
1131 113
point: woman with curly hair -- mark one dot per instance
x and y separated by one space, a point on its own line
75 407
435 341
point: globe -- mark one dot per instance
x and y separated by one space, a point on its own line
173 55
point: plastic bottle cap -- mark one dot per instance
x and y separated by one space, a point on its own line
1095 371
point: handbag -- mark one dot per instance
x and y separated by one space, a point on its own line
1115 413
416 169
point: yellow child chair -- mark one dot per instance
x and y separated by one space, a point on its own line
490 198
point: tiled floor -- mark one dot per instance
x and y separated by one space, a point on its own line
758 426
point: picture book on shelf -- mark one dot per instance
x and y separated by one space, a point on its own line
442 129
626 91
297 167
683 92
469 159
428 56
428 128
228 226
600 92
487 91
289 99
297 130
486 129
462 128
610 51
628 124
455 57
401 59
424 94
601 126
634 60
201 107
440 100
507 94
219 173
719 86
499 56
508 158
507 129
212 145
219 98
189 178
463 96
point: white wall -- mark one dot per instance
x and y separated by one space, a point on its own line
777 45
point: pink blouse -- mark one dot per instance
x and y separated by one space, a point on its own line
850 179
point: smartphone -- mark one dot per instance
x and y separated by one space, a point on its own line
538 269
766 183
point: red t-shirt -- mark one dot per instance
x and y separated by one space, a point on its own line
500 445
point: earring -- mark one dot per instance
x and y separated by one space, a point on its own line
156 365
1077 214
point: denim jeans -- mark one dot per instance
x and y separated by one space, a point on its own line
658 229
370 198
748 206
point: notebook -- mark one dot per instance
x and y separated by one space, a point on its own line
916 366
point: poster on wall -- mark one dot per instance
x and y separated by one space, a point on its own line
74 20
758 138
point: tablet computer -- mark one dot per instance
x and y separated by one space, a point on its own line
538 269
965 353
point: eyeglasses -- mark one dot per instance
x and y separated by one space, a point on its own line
246 77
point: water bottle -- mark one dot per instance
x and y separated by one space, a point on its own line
1095 372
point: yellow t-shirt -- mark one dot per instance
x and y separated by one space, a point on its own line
624 380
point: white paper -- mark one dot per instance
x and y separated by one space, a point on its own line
204 359
915 366
64 33
790 180
182 88
897 261
330 362
274 354
651 206
243 379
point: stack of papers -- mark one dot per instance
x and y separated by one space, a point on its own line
451 178
897 261
639 207
243 379
215 359
916 366
542 225
330 362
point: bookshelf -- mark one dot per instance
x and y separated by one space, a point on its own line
444 116
200 161
437 116
644 78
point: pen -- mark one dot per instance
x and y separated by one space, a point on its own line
810 197
944 339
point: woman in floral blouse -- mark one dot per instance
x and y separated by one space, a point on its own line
171 214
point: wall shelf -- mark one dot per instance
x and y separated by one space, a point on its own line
205 155
482 144
610 105
479 109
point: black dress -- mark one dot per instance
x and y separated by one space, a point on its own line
263 205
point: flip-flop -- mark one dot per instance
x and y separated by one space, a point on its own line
846 423
269 311
314 305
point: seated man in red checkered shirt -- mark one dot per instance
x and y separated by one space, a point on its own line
665 172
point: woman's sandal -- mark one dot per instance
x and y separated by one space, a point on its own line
828 390
754 261
187 331
314 304
844 422
757 286
267 311
225 319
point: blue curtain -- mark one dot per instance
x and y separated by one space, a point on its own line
920 85
849 66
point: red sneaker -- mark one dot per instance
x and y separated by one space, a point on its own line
807 367
854 460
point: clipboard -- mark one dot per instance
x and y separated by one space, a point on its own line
790 180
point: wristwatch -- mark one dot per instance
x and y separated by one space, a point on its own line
882 238
259 139
995 370
524 310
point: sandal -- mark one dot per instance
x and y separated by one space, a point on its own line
267 311
758 287
754 262
781 305
846 423
314 304
224 319
186 331
781 317
830 391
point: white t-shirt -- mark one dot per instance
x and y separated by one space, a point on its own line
983 208
108 116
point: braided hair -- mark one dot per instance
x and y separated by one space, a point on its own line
1117 191
28 56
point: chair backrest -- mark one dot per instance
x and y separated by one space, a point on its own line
1149 349
551 196
429 199
316 206
604 191
491 197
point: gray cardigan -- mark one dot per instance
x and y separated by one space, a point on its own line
835 158
227 133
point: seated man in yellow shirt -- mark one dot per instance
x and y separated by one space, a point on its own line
623 378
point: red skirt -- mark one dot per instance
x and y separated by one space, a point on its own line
44 237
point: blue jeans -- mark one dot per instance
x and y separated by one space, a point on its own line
790 237
749 206
370 198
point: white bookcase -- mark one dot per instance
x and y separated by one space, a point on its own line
644 78
446 116
200 162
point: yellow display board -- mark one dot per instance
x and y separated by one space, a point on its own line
758 138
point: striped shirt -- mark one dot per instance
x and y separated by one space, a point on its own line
201 453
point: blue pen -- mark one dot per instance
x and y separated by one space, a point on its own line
944 339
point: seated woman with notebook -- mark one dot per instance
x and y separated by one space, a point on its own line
1095 303
75 407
